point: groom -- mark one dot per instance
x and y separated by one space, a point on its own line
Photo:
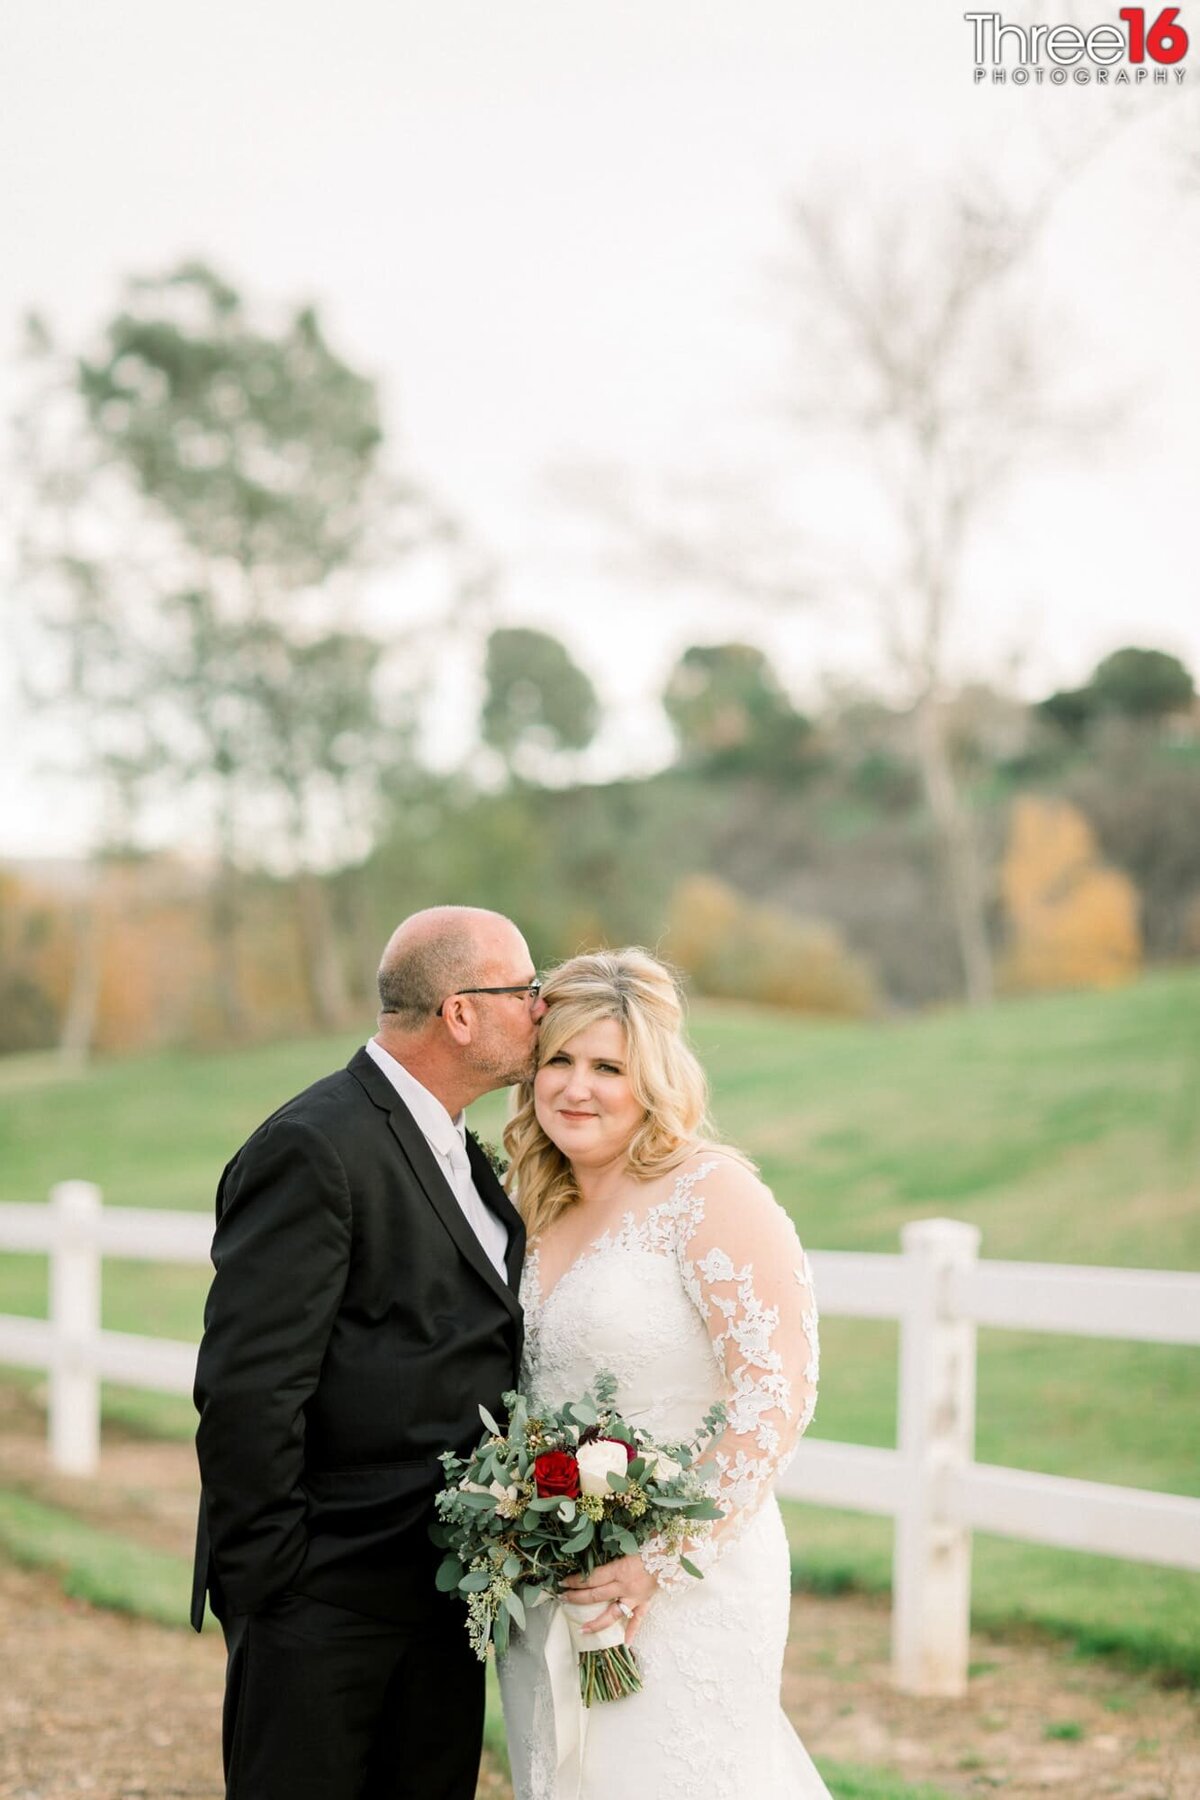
364 1304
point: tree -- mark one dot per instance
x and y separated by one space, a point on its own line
1071 709
730 713
1145 811
205 494
1145 686
925 381
1142 684
325 750
27 1010
537 703
922 353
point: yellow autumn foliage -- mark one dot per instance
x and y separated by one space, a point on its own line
735 949
135 938
1072 919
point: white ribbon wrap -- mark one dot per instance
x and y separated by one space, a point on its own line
566 1642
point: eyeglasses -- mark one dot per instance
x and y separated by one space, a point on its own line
530 989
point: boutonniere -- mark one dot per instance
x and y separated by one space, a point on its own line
497 1160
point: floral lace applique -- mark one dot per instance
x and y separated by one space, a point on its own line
749 1279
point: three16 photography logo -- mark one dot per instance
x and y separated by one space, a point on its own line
1139 48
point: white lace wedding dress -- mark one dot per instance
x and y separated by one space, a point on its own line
703 1296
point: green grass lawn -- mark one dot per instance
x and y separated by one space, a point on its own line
1066 1127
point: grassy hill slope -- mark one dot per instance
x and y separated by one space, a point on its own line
1066 1127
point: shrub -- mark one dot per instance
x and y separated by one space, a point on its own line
735 949
1073 921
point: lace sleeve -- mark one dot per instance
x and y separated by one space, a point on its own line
749 1279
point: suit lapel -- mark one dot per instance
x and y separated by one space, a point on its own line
432 1182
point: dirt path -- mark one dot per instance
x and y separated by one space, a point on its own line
93 1703
1035 1722
97 1704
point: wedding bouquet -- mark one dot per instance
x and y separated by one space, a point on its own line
562 1491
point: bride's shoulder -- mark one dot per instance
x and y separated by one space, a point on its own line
736 1204
725 1178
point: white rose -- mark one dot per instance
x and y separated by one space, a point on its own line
664 1467
496 1488
597 1462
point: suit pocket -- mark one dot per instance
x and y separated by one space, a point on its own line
372 1499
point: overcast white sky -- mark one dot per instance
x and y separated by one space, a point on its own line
548 226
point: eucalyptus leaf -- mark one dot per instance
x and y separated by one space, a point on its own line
513 1605
449 1575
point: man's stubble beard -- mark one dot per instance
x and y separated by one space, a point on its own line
498 1065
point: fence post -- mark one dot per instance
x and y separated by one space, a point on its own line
931 1573
75 1320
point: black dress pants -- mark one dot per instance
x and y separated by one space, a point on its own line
326 1704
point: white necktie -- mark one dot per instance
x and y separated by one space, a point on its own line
483 1222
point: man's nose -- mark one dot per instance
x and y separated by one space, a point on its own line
540 1009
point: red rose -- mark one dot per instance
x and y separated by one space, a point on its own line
556 1474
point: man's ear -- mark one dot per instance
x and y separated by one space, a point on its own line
458 1019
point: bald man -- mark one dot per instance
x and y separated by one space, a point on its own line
364 1304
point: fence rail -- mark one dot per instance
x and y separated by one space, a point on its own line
937 1290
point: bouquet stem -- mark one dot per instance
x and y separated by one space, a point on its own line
608 1674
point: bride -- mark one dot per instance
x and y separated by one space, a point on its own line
657 1254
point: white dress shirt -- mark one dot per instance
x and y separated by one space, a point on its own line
447 1138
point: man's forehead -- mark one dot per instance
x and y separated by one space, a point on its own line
502 942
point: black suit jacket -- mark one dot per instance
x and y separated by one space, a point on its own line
353 1326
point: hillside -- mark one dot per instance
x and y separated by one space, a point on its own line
1067 1128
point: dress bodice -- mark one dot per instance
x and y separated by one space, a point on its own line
622 1306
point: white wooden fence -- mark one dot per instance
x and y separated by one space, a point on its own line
938 1495
79 1232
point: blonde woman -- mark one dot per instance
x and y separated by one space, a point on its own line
658 1254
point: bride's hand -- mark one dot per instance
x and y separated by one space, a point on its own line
626 1580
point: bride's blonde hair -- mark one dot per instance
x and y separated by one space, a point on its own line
642 995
